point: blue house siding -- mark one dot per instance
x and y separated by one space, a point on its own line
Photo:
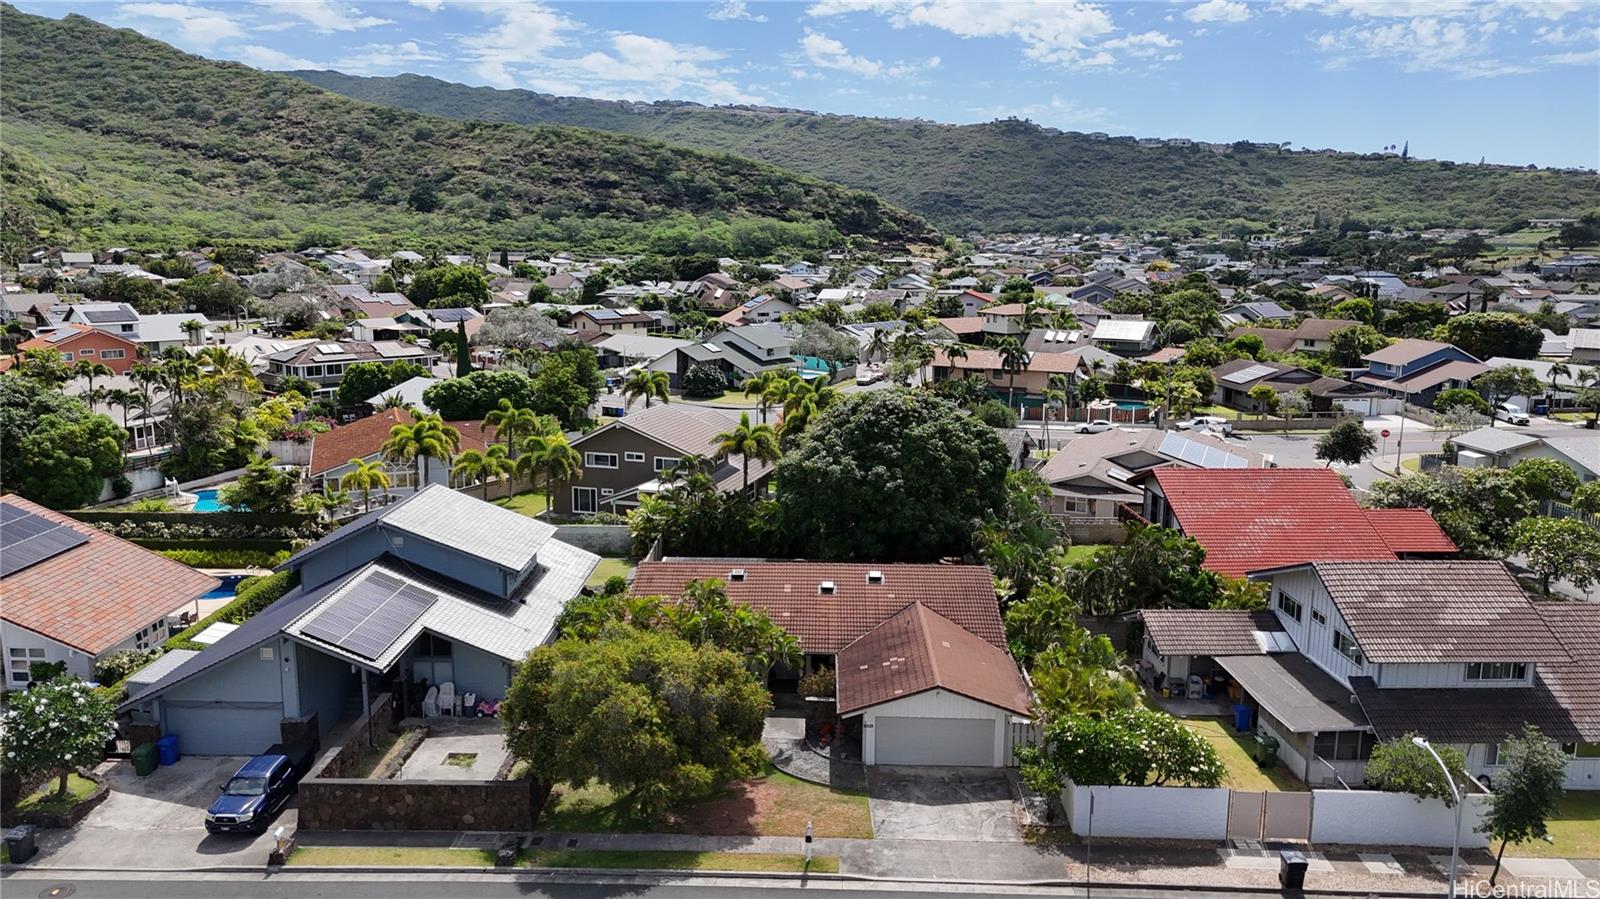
1443 354
246 678
235 709
341 558
325 682
479 672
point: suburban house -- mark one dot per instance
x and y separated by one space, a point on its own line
1585 343
323 363
1237 377
1416 370
758 310
1504 447
740 353
1312 335
356 301
1030 381
611 321
1125 337
1249 519
621 350
332 450
1092 475
77 342
632 455
74 594
923 676
439 588
1256 311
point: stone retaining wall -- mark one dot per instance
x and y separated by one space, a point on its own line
365 732
602 539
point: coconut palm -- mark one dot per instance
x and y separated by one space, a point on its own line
230 370
1014 359
144 377
424 439
806 399
179 375
762 386
193 327
551 457
474 466
511 423
1558 370
878 345
85 368
648 384
757 442
366 477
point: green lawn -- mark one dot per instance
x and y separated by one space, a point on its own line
440 856
1235 750
728 398
420 856
1222 411
528 502
607 569
45 800
1077 552
1575 830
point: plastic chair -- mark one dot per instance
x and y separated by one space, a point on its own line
430 703
447 698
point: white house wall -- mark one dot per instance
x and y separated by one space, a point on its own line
1443 674
933 704
1315 640
14 637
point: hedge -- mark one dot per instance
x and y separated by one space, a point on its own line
233 527
226 557
255 594
206 545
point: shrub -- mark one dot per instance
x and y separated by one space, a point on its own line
995 414
115 668
150 504
820 682
704 380
254 594
44 672
121 486
227 557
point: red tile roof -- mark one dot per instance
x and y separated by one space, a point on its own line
962 325
97 594
1410 531
365 438
1249 519
917 650
788 592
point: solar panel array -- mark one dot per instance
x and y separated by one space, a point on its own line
1202 455
111 315
28 539
452 315
1248 374
370 616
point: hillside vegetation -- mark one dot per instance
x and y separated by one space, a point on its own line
1013 175
114 137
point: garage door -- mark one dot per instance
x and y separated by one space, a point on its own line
218 730
935 741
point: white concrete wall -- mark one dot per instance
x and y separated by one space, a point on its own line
1368 817
1173 813
934 704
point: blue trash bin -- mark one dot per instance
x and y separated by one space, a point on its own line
1242 718
167 749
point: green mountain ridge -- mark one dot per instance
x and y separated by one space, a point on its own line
1015 176
113 136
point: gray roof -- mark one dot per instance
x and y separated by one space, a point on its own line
1295 691
168 326
1494 440
410 392
469 525
688 429
1583 448
156 670
764 336
639 346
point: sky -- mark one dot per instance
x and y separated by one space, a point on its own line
1510 81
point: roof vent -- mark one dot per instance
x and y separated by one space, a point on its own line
736 575
825 588
874 576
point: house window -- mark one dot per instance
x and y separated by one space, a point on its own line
599 460
1075 505
1289 605
633 457
86 352
997 373
666 463
113 354
1317 617
585 500
1497 671
1586 751
1346 646
1345 746
19 661
1494 754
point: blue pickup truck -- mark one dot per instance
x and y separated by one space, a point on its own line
259 790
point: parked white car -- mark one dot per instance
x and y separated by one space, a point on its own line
1511 414
1203 422
1098 426
868 374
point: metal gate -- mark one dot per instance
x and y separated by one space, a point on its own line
1272 817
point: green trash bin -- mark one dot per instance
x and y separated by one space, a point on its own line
1266 750
145 759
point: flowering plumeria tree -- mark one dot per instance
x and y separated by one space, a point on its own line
55 727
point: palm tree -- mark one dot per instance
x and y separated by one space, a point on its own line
230 370
482 467
1051 396
805 400
426 438
878 345
193 327
1014 359
85 368
145 376
513 422
1559 369
366 477
648 384
762 386
551 457
178 375
758 442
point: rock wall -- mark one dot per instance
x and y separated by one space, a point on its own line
602 539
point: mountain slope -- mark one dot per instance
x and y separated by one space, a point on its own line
116 136
1013 175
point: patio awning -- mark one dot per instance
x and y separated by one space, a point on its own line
1296 692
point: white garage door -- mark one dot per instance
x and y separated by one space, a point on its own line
935 741
214 730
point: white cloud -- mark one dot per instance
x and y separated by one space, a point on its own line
271 59
1218 11
827 53
642 67
730 10
325 16
429 5
377 58
1149 43
1575 58
193 24
520 35
1422 44
1059 32
1560 35
1056 113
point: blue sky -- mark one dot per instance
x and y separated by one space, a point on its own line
1516 82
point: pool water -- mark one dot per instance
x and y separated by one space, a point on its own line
206 501
228 587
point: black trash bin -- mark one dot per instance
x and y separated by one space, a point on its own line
1292 870
19 843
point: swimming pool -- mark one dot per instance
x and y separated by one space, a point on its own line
228 587
1130 404
206 501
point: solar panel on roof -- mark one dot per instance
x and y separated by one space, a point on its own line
451 315
28 539
1200 455
108 315
1249 373
370 616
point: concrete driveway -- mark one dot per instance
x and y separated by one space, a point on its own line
158 822
957 804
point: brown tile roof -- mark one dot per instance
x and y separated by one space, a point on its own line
962 325
97 594
917 650
1576 685
1421 611
1207 632
1410 531
356 440
787 591
1463 714
986 360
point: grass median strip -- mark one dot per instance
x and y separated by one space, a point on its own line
439 856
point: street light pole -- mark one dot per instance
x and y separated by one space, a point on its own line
1455 842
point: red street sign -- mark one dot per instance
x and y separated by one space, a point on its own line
1384 432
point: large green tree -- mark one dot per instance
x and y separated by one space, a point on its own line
1401 766
365 380
475 396
55 727
1525 793
892 475
648 715
54 449
1489 334
1347 443
1559 547
449 286
1476 507
1155 568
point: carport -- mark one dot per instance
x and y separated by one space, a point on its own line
1321 731
929 692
